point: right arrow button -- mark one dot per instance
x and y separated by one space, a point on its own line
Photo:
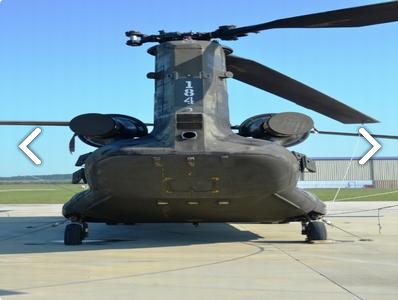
375 144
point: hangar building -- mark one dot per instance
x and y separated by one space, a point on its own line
378 172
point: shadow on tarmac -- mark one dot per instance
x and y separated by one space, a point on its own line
45 235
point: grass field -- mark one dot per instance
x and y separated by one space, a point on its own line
60 193
368 194
37 193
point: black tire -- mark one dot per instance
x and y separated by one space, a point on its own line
73 234
316 231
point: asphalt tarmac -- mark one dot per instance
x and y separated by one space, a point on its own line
212 261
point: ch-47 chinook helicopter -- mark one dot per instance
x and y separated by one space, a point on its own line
193 167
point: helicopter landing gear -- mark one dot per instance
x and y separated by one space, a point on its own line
75 233
314 230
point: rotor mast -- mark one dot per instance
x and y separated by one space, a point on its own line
191 99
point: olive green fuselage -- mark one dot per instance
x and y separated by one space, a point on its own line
192 167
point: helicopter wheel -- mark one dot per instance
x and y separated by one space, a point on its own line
75 233
315 231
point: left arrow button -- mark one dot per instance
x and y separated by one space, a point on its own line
24 146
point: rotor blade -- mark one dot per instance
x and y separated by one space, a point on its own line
35 123
380 136
43 123
267 79
348 17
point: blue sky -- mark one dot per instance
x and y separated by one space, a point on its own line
59 59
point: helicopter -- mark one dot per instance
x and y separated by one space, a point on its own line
194 166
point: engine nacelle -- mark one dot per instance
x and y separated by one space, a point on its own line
287 129
100 129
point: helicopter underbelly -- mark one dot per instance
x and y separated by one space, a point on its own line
215 187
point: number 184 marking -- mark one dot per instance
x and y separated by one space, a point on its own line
189 92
